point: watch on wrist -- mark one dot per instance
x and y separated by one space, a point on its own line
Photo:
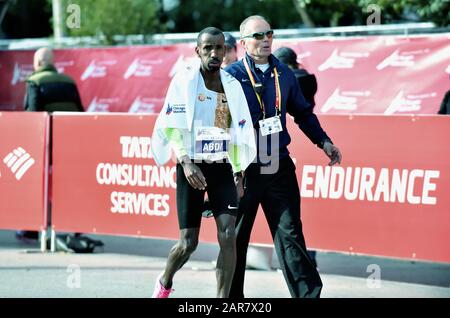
322 143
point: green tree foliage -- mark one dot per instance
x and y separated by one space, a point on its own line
32 18
193 15
437 11
355 12
115 17
27 19
329 13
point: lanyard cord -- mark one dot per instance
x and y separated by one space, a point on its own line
277 90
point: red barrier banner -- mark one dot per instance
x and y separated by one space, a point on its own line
372 74
23 146
378 74
388 198
106 181
390 195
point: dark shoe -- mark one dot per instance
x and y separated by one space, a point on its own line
60 244
27 237
80 244
96 243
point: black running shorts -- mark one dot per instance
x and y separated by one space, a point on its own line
221 190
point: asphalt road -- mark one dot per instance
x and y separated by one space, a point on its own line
127 268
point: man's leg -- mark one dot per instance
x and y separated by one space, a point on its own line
179 254
248 206
226 261
189 207
223 200
281 206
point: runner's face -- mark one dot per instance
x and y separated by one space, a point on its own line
211 52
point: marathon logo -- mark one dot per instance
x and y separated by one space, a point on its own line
141 68
397 59
97 69
169 109
341 60
19 162
21 73
183 62
176 109
347 100
61 66
142 105
408 104
102 105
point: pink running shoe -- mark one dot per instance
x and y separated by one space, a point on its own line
160 291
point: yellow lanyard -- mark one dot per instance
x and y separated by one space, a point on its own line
277 90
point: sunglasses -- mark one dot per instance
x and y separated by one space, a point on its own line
260 35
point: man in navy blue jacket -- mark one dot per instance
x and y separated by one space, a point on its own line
272 91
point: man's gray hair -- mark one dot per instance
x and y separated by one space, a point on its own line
250 18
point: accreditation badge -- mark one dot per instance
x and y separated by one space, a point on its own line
211 143
270 126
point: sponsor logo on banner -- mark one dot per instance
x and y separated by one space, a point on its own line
97 69
18 162
345 100
410 103
415 186
21 72
142 105
139 176
302 55
141 68
181 63
101 104
61 66
401 59
341 60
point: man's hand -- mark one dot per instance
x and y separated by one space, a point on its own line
193 174
239 182
332 152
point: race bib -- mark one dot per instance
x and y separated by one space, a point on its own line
211 143
270 126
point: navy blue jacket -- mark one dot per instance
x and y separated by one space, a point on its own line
292 102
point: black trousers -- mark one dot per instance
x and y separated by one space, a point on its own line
279 195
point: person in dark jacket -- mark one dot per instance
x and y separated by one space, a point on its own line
308 86
272 92
307 81
445 105
50 91
47 90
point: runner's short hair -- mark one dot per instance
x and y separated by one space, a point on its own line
209 30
